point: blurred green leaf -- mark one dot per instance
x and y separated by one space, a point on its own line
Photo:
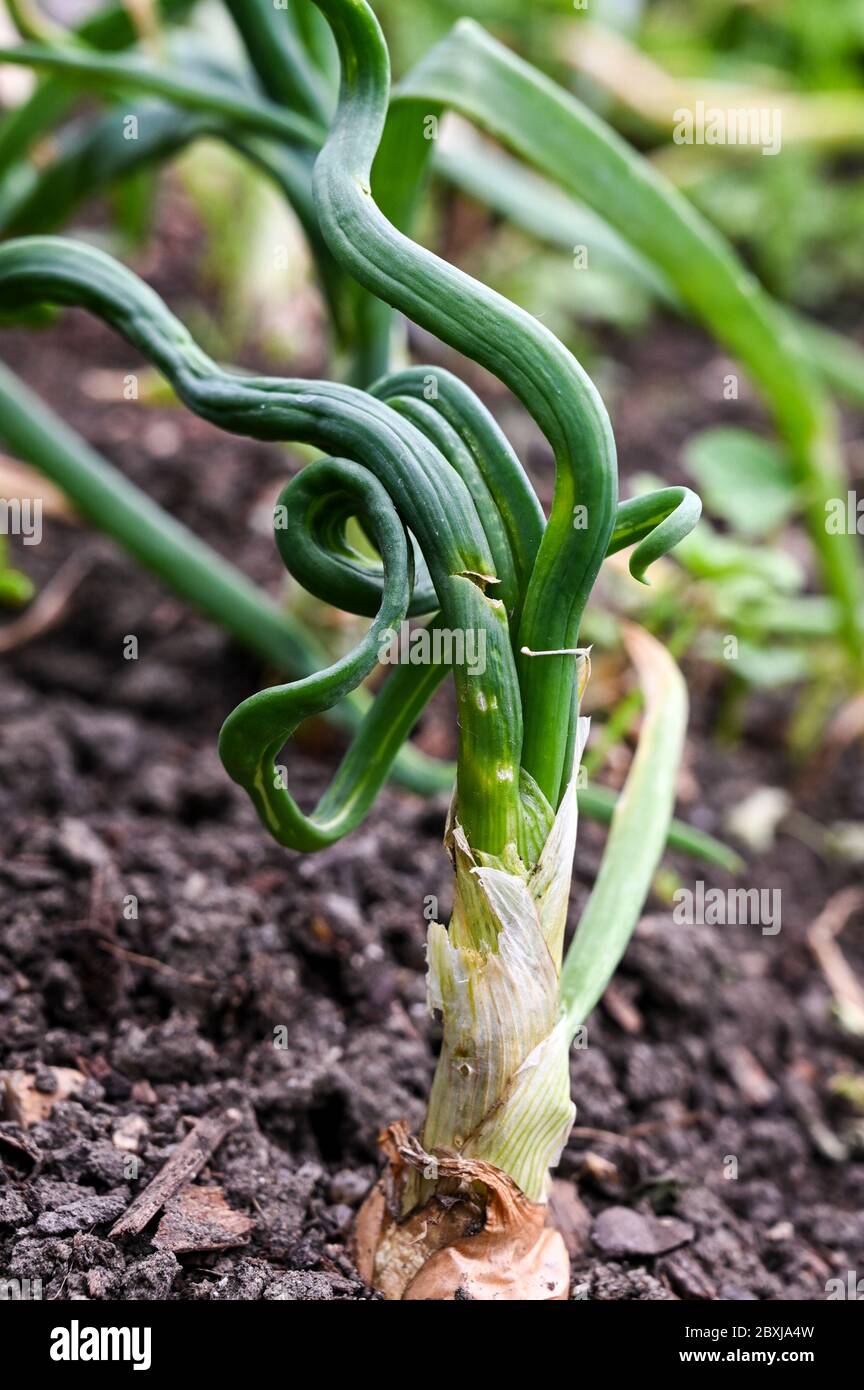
15 588
772 666
745 480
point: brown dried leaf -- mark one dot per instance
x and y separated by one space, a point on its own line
478 1237
199 1218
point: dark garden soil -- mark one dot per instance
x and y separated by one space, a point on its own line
713 1157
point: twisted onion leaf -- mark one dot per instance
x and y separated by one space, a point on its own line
253 735
657 521
500 477
186 564
509 342
428 495
433 505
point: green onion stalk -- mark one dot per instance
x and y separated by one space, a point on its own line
461 542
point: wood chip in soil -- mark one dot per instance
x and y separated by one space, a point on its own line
184 1164
199 1218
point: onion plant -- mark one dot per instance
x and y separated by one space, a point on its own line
291 60
462 543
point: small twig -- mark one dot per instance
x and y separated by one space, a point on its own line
822 936
755 1085
640 1131
184 1164
623 1010
808 1108
150 963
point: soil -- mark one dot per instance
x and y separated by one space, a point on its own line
155 941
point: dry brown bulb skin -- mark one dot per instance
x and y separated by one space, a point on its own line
476 1237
